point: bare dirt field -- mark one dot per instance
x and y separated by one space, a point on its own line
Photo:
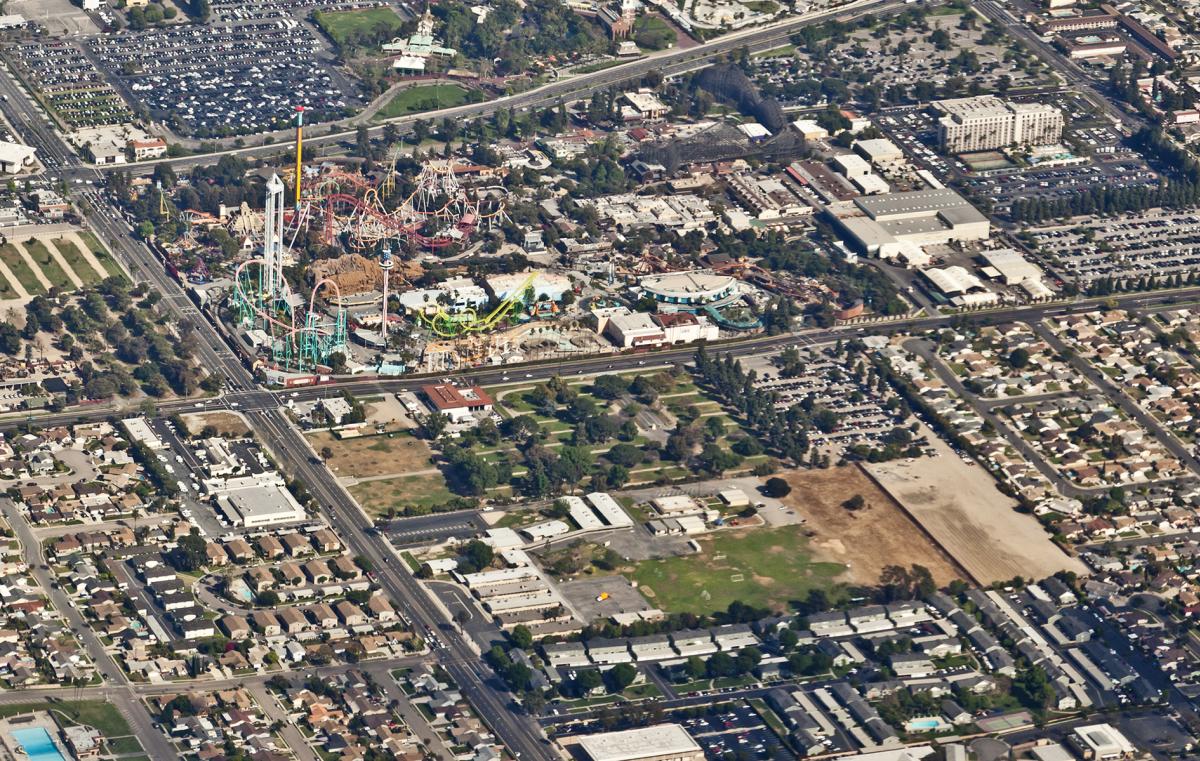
959 505
226 423
867 539
373 456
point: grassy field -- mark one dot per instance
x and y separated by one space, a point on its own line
408 491
21 271
423 98
74 257
110 265
370 456
103 716
761 567
50 266
342 26
652 33
6 289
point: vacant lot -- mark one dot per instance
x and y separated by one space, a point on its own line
959 505
867 539
406 494
226 423
351 26
373 456
759 566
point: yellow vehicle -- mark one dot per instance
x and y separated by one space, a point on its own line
602 597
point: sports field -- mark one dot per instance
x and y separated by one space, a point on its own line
758 566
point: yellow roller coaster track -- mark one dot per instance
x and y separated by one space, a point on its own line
447 325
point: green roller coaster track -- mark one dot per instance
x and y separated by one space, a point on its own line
447 325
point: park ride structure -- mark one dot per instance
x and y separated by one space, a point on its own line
300 336
446 324
350 211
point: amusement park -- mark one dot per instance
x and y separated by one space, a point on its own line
344 210
405 262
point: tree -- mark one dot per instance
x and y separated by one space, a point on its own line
715 460
609 387
433 425
476 556
189 553
623 454
619 677
522 637
1018 359
326 454
588 680
1032 688
776 487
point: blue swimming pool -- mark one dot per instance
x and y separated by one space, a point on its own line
917 724
37 744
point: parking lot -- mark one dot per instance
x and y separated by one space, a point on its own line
861 409
909 61
736 730
231 10
68 82
1157 242
245 77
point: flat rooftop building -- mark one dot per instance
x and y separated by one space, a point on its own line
260 505
887 225
986 122
455 402
662 742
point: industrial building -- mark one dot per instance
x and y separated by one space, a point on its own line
899 224
14 157
881 152
958 285
661 742
546 286
986 123
633 329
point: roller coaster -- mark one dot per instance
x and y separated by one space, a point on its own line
349 210
453 325
264 301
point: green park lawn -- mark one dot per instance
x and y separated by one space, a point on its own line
21 271
342 26
94 713
74 257
50 266
423 98
762 567
110 265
